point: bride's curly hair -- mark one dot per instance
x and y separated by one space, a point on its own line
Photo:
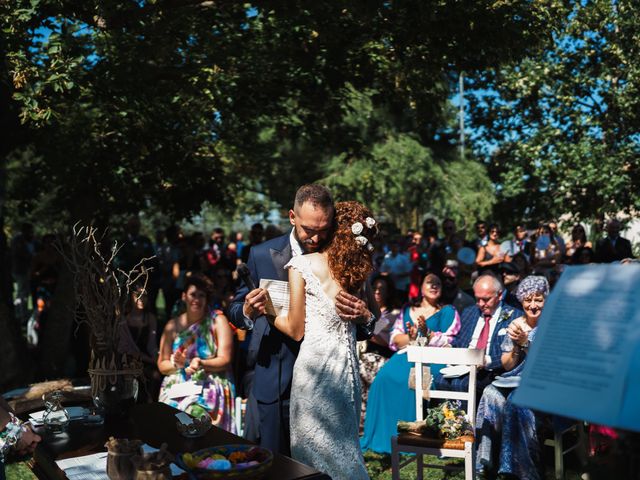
351 263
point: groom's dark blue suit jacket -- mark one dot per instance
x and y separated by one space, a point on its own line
271 352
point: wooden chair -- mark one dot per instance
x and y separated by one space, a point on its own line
414 444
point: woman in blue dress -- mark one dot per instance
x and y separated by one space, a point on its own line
390 398
506 434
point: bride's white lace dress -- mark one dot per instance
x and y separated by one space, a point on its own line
325 391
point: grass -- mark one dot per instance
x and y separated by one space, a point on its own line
19 471
379 468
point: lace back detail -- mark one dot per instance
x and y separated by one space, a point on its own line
326 380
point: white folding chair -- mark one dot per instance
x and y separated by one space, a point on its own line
240 411
558 444
414 444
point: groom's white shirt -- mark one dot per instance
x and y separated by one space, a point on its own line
296 249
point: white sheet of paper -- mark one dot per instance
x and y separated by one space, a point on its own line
278 293
94 467
585 360
88 467
185 389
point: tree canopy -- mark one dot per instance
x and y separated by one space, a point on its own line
163 104
562 127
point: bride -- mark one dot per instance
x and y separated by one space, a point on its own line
325 391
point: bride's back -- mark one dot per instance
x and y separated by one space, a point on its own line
320 268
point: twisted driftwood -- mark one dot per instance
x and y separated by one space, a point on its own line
102 294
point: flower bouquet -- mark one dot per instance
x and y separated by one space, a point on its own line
446 425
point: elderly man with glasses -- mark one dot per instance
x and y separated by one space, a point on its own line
482 326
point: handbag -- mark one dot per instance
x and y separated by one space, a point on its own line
426 380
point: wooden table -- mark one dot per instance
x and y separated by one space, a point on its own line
154 424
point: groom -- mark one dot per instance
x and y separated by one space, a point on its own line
272 352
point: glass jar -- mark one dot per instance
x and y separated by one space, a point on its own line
56 418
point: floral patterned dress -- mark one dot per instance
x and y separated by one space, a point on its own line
218 395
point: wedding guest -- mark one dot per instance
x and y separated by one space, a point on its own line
578 240
553 225
482 326
398 266
374 353
583 256
452 294
141 327
482 236
613 248
256 237
519 243
547 251
490 255
390 398
507 437
22 251
197 346
511 276
450 241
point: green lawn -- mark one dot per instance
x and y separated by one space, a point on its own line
19 471
379 467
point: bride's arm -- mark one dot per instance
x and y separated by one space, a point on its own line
292 324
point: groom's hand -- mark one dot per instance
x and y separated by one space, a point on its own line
255 303
352 309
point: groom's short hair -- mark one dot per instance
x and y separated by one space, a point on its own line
316 194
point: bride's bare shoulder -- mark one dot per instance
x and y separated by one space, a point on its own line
318 262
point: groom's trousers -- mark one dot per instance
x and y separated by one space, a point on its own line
268 424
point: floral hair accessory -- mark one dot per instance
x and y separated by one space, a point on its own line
362 241
369 222
356 229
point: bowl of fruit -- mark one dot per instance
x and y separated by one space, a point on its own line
227 461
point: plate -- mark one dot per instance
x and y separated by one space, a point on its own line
257 463
455 371
466 255
507 382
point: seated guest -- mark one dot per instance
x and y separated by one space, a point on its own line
452 294
578 240
613 248
490 256
519 243
140 338
511 276
390 398
482 326
583 256
397 264
506 433
198 346
547 252
374 353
